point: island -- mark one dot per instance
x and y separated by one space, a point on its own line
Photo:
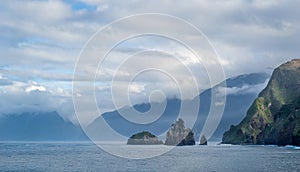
144 138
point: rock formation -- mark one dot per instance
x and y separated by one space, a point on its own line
203 140
274 117
177 133
143 138
188 140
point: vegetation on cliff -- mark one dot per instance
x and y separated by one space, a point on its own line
143 138
274 116
141 135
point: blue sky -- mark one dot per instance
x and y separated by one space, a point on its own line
40 41
78 5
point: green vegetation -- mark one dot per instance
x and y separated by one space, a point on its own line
141 135
274 117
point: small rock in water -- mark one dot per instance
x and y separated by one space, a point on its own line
203 140
188 140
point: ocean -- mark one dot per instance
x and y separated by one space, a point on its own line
84 156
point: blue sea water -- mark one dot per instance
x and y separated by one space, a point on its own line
88 157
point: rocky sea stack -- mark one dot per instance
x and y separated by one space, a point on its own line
274 117
203 140
144 138
179 135
188 140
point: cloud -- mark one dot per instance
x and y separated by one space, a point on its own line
244 89
4 81
41 40
35 88
19 97
245 33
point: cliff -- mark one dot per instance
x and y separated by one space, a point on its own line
143 138
177 133
274 117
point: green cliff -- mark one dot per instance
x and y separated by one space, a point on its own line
274 117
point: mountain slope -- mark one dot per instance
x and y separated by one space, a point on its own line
274 116
238 101
38 127
241 91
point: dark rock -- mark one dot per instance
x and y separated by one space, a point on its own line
188 140
203 140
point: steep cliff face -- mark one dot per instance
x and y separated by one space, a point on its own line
274 116
177 133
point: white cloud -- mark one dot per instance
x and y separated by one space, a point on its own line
135 88
41 40
31 96
36 11
55 38
245 89
35 88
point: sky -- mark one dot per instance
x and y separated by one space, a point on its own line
41 41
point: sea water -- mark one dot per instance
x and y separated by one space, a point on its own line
80 156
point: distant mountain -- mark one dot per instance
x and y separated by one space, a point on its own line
128 128
38 127
274 117
43 126
242 92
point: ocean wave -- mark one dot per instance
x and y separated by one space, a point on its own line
292 147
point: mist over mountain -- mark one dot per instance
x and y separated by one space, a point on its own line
44 126
241 91
38 126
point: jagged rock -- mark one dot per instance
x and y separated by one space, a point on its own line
177 133
144 138
188 140
203 140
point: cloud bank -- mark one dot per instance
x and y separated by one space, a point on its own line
41 40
